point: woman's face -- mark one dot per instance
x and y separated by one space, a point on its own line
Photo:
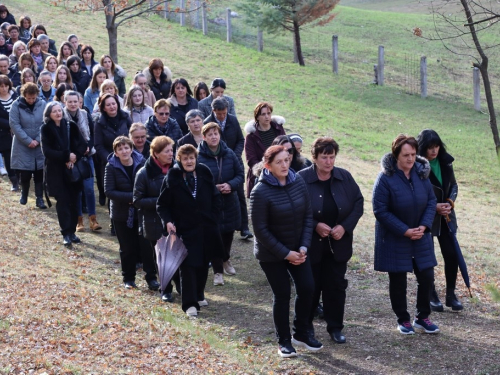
195 124
406 158
157 72
56 114
110 107
212 137
4 89
100 78
218 91
109 90
188 162
139 138
44 45
39 32
106 63
25 64
14 34
72 103
264 117
52 65
4 67
66 51
74 42
46 81
75 67
166 155
298 146
325 162
2 40
124 152
202 94
162 114
141 82
26 24
137 98
35 50
87 55
29 78
432 152
180 90
20 50
280 165
62 76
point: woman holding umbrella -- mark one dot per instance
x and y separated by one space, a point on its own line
445 186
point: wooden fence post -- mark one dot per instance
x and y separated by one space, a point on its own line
476 82
423 77
183 20
335 54
380 66
166 8
204 23
229 29
260 40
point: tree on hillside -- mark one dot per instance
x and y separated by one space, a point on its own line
456 32
288 15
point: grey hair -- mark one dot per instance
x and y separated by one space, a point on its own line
194 113
42 37
4 25
219 103
48 110
44 73
4 57
2 36
70 93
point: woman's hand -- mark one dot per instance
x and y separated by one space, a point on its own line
323 230
86 152
443 209
296 258
33 144
72 158
69 165
337 232
224 188
171 228
415 233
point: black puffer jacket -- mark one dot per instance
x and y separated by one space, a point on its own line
81 79
232 134
105 133
5 135
281 216
225 168
147 188
119 188
171 129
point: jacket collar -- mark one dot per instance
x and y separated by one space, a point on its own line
268 177
421 166
310 174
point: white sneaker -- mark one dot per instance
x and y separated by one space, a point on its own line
192 311
3 171
218 279
228 268
203 303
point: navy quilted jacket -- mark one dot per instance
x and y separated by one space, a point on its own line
398 205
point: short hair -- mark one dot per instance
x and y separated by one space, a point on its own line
186 149
109 83
4 25
211 125
25 72
16 46
42 37
194 113
102 99
3 8
122 140
258 109
113 66
271 153
161 103
200 86
400 141
137 126
324 145
69 93
48 110
155 64
86 48
429 138
129 103
4 58
13 27
4 80
219 104
159 143
218 82
93 83
33 43
182 82
29 88
71 60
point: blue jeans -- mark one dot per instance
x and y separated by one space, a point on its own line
88 190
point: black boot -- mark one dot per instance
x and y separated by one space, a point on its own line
25 189
452 300
15 183
39 195
436 304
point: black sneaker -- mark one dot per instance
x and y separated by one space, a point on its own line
308 342
426 325
129 285
153 284
286 350
246 234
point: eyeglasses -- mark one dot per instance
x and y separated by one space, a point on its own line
163 113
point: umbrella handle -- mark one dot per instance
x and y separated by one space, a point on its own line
447 217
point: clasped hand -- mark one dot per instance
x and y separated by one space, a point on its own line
443 209
296 257
224 188
415 233
337 232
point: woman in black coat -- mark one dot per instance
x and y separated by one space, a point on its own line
7 97
337 205
119 178
228 175
159 79
283 224
62 145
189 205
181 102
81 79
442 178
147 188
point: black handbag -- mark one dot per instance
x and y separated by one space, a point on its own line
81 169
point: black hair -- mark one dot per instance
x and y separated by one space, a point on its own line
427 139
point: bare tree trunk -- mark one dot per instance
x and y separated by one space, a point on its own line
112 30
296 34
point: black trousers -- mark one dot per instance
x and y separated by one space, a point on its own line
227 241
26 176
243 207
397 293
131 245
193 281
99 169
449 255
278 275
6 156
329 279
67 214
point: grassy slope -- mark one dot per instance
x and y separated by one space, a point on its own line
363 118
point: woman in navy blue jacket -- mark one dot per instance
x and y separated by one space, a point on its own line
404 206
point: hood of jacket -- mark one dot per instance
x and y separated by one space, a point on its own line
115 161
166 71
23 105
204 150
389 168
251 126
268 178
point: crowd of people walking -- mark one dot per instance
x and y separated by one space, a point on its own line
168 159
